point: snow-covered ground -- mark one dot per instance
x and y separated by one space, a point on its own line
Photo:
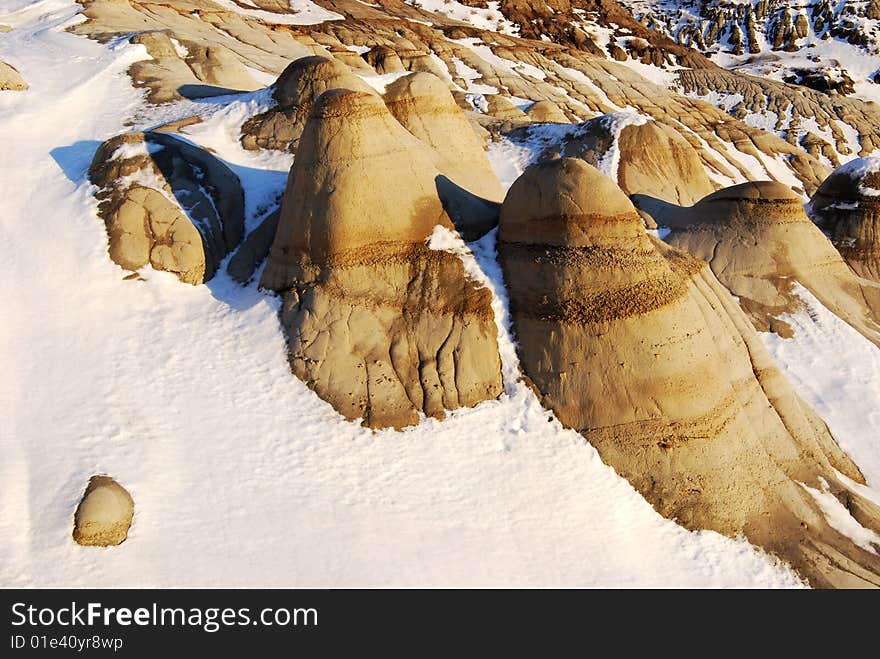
240 474
488 18
302 12
837 371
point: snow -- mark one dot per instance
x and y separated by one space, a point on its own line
584 82
135 150
832 54
380 81
510 157
837 372
478 101
489 18
181 50
469 75
240 475
262 77
663 77
263 173
486 53
840 519
614 124
304 12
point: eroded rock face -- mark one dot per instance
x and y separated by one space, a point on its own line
638 347
423 105
847 208
759 242
384 59
573 73
379 325
645 157
793 106
295 91
546 112
655 159
168 204
104 514
10 79
182 68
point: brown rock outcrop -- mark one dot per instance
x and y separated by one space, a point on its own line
759 242
378 324
652 158
423 105
546 112
180 68
167 203
638 347
10 79
295 91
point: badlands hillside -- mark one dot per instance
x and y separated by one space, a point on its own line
440 293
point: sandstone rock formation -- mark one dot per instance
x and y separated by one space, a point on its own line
645 157
296 91
104 514
501 108
384 59
655 159
180 68
378 324
10 78
423 105
570 71
847 207
637 346
546 112
469 189
792 106
167 203
759 242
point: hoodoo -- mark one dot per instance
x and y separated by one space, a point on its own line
847 208
759 242
295 91
469 189
646 157
423 105
638 347
379 325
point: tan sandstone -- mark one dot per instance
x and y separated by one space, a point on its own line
638 347
379 325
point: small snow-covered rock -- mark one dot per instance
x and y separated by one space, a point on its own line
10 79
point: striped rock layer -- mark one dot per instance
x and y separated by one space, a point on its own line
379 325
759 242
637 346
